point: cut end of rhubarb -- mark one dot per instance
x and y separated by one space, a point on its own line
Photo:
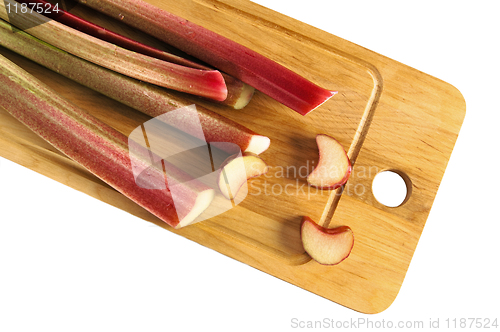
258 144
236 171
334 166
239 94
202 202
211 85
246 95
322 98
327 246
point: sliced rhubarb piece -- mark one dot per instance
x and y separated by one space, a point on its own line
235 172
327 246
146 98
239 94
224 54
101 149
204 83
334 166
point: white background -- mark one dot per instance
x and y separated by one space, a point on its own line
71 263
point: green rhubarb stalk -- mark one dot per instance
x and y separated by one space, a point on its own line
146 98
205 83
100 149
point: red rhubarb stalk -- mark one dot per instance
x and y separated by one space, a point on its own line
224 54
99 148
205 83
238 94
146 98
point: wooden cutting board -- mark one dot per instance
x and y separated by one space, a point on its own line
387 115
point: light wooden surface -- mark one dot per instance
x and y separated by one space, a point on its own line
387 115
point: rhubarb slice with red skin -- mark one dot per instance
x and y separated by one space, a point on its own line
239 94
327 246
204 83
99 148
262 73
334 166
146 98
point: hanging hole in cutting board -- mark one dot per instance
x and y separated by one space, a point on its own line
391 188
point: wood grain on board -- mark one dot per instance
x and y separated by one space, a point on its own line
387 115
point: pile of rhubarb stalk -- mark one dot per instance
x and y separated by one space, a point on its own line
155 83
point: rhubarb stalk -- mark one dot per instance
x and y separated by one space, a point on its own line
238 93
146 98
205 83
224 54
100 149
